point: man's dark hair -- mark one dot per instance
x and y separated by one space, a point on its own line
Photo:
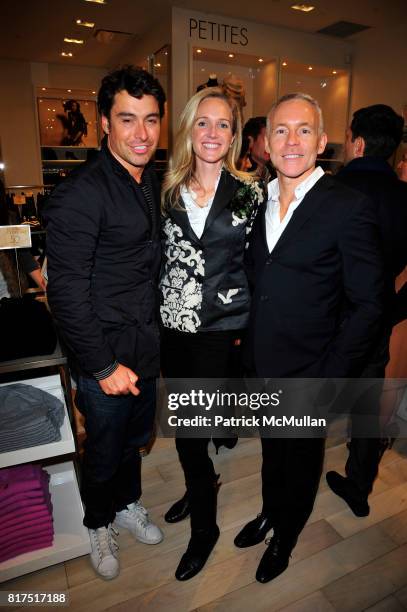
251 128
380 127
136 81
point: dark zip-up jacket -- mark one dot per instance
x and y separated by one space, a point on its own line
104 256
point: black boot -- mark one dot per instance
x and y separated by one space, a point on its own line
204 530
181 508
178 511
199 548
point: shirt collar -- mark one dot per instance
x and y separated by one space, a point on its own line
300 190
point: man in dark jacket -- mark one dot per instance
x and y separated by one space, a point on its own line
103 261
373 136
312 246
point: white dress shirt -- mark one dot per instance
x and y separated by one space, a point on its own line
197 214
275 227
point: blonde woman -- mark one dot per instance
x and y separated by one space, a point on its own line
208 207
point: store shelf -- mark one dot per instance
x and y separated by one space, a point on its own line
71 537
52 385
36 361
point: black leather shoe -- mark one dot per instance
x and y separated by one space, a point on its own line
181 508
199 548
254 532
178 511
275 560
346 489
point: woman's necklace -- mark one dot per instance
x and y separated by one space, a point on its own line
201 196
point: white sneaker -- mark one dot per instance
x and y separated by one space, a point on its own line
136 520
104 552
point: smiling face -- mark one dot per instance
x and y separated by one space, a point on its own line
293 140
133 131
212 131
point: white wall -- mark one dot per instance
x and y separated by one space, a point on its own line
380 69
19 134
18 128
263 40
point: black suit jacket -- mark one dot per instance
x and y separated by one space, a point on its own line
375 178
326 262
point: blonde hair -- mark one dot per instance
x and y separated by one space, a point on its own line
182 163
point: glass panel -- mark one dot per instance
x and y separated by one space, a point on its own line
258 75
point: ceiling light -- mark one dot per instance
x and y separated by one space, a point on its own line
75 41
85 24
93 92
97 1
69 90
309 67
284 63
64 54
333 71
158 65
261 60
199 50
305 8
43 89
231 55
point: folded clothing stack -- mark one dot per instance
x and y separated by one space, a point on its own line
26 522
28 417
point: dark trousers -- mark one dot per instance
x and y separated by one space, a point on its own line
116 427
366 448
291 471
200 355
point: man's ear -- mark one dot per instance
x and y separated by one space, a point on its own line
251 142
266 143
105 124
359 146
323 139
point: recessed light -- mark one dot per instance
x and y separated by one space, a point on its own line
309 67
43 89
93 92
69 90
64 54
85 24
75 41
158 65
333 71
305 8
284 64
199 50
261 60
97 1
231 55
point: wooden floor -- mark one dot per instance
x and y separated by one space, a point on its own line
340 563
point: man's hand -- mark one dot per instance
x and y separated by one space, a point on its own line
121 382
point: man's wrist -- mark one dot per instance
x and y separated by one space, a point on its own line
106 372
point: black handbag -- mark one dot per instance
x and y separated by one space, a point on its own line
26 329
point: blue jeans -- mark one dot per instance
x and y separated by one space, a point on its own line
116 427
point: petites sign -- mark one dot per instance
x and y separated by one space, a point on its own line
15 236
